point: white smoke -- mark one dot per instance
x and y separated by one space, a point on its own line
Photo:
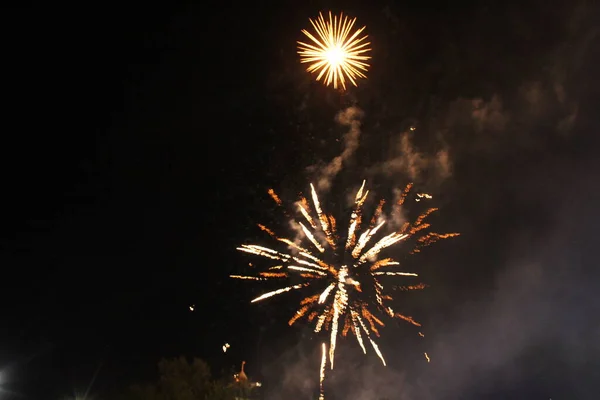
408 161
349 117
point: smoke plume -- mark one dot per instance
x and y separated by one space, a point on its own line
350 117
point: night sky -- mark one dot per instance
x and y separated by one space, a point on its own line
139 142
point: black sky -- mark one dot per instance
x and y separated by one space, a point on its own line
139 142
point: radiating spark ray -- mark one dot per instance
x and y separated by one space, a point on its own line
309 300
267 274
296 268
310 237
322 217
303 207
422 217
339 307
264 252
310 264
395 273
302 251
378 212
387 241
355 218
264 228
351 230
359 194
299 314
274 196
347 326
379 354
361 202
364 239
278 291
373 344
431 238
357 331
332 226
320 322
252 278
418 286
383 263
326 293
404 194
408 319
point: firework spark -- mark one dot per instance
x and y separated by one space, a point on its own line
336 53
344 271
322 371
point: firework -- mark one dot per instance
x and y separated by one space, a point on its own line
322 371
345 272
336 52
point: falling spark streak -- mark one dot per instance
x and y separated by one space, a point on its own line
377 351
375 347
427 357
322 371
335 53
339 297
357 331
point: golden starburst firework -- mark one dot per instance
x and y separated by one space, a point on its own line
336 52
346 273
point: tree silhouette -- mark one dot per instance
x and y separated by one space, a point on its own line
180 379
